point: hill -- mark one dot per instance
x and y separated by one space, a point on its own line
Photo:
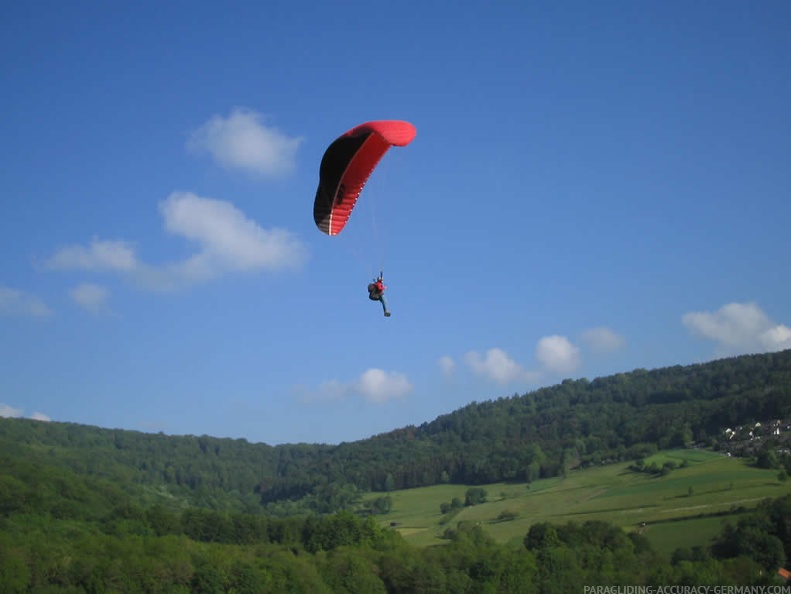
540 434
683 507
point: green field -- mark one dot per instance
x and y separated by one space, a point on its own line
710 483
669 536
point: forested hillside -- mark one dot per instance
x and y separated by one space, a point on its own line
136 550
539 434
79 535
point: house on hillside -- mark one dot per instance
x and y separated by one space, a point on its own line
746 440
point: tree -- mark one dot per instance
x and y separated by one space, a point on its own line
475 496
541 535
507 515
766 458
14 573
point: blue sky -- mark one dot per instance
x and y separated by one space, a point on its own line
594 187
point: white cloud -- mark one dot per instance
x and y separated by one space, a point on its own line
777 338
19 303
558 354
90 296
227 242
602 340
374 385
498 366
98 256
447 365
739 328
555 355
7 411
243 141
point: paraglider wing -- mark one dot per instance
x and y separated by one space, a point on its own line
348 163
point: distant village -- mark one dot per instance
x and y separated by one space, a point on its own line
747 440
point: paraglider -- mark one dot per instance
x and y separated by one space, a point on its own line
345 168
376 292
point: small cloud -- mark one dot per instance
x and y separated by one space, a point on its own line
447 365
98 256
243 141
374 385
498 366
776 338
37 416
7 411
19 303
227 242
555 354
739 328
558 354
90 296
602 340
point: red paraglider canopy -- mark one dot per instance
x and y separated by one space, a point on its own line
348 163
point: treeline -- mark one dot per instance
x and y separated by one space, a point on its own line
578 423
61 532
344 554
521 438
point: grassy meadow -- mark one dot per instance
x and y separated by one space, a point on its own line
670 506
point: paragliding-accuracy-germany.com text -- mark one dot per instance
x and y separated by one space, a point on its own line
774 589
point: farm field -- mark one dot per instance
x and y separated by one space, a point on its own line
710 483
669 536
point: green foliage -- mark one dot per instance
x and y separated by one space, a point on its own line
379 505
696 553
347 572
653 468
338 530
767 457
540 536
507 515
84 509
343 553
764 537
14 572
454 505
475 496
545 433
